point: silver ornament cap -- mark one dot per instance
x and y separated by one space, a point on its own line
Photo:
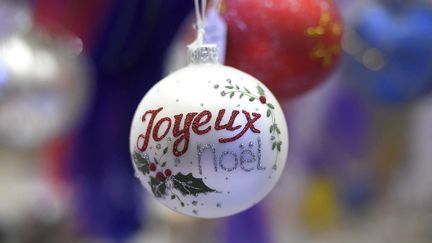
202 54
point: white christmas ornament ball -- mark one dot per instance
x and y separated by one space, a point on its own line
209 141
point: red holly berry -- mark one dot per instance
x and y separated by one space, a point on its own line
168 172
152 167
263 99
160 176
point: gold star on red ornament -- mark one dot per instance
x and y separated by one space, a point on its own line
322 51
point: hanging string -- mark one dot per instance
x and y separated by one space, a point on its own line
198 51
200 12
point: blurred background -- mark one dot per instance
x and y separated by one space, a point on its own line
353 76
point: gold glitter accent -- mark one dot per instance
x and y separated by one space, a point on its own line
315 31
322 51
324 18
336 29
325 53
321 29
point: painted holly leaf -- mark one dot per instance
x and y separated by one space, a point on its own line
189 185
268 113
165 150
231 95
158 187
270 106
251 99
260 91
141 163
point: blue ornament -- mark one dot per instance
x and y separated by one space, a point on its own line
392 52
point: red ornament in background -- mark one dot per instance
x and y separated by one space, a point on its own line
79 16
291 45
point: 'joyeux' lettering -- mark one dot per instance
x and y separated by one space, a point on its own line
198 123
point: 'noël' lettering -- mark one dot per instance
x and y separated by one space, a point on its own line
247 160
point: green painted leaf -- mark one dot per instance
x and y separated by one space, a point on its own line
158 187
278 131
172 197
241 95
268 113
274 146
229 87
251 99
232 95
237 87
270 106
156 161
260 91
279 146
141 163
271 128
189 185
247 90
163 164
165 150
